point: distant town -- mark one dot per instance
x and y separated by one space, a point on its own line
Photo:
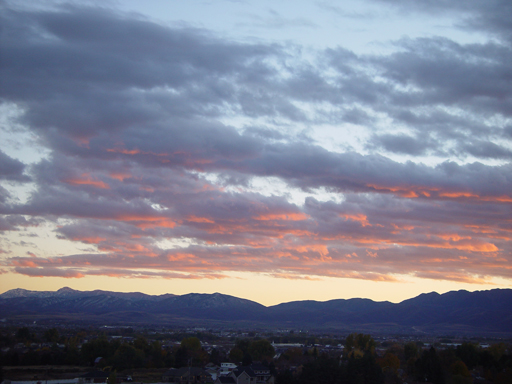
58 353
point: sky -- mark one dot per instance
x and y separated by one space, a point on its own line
273 151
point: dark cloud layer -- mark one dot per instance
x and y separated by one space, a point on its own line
135 117
11 169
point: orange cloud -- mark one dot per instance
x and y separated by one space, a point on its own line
144 222
453 237
120 175
464 246
400 191
456 195
124 151
83 142
318 248
357 217
416 191
294 277
452 276
399 228
180 256
86 179
409 194
469 195
24 263
282 216
360 275
196 219
89 240
50 272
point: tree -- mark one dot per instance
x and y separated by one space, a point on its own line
428 367
460 373
191 343
128 357
155 354
23 334
243 345
261 350
236 355
97 348
468 353
191 352
322 371
51 335
285 377
247 359
295 356
410 350
497 351
112 378
357 344
390 362
215 357
141 343
364 370
181 358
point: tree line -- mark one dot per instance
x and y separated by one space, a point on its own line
358 363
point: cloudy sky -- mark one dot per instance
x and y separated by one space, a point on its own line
270 150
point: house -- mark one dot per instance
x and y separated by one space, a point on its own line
94 377
212 370
225 368
192 375
98 361
262 373
225 380
253 374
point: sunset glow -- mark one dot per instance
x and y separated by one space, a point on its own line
271 151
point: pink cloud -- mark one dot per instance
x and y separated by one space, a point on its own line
144 169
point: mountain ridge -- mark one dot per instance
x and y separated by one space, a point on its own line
478 311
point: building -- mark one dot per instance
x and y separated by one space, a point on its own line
253 374
192 375
94 377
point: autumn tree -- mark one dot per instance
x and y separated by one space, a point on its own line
390 362
460 373
357 344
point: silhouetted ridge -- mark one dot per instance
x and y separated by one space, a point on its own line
458 310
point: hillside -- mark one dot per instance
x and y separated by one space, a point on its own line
456 311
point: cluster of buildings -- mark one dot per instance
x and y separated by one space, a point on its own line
227 373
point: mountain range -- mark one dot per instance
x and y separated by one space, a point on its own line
480 312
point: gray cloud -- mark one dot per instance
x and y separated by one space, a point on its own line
139 117
11 169
403 144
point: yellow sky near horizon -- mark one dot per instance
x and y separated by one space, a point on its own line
260 288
